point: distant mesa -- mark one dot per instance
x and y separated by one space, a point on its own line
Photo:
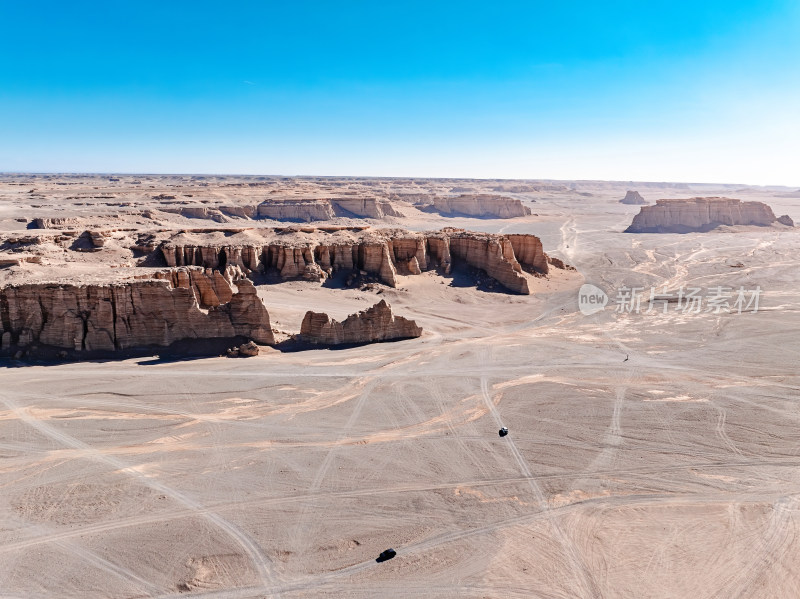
529 188
52 223
475 205
372 325
701 215
633 197
321 209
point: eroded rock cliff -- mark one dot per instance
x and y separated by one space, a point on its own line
384 253
478 205
308 210
185 304
296 210
374 324
699 214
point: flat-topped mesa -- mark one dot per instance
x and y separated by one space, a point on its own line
190 304
477 205
633 197
374 324
383 253
56 222
364 207
311 209
295 210
699 215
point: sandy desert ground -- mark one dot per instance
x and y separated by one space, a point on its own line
675 473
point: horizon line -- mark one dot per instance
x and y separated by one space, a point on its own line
388 177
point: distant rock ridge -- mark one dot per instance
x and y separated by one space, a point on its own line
633 197
308 210
53 223
476 205
155 312
374 324
699 215
385 253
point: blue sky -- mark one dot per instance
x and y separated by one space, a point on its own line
647 90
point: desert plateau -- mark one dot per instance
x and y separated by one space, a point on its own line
233 387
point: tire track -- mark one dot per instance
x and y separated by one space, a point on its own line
259 560
583 577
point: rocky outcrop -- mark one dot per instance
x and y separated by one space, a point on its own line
699 214
633 197
384 254
202 212
296 210
493 254
786 220
365 207
53 223
480 205
307 210
245 350
529 251
374 324
131 314
239 211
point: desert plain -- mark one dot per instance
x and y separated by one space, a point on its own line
650 454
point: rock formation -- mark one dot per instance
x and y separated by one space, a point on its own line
53 223
633 197
296 210
384 253
196 212
786 220
131 314
245 350
699 214
365 207
480 205
239 211
307 210
374 324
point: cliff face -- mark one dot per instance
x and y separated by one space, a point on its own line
52 223
307 210
374 324
365 207
188 304
384 254
296 210
480 205
699 214
633 197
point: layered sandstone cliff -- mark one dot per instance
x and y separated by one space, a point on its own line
308 210
633 197
374 324
384 253
478 205
295 210
699 214
53 223
180 305
365 207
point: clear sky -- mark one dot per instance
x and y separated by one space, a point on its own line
706 90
